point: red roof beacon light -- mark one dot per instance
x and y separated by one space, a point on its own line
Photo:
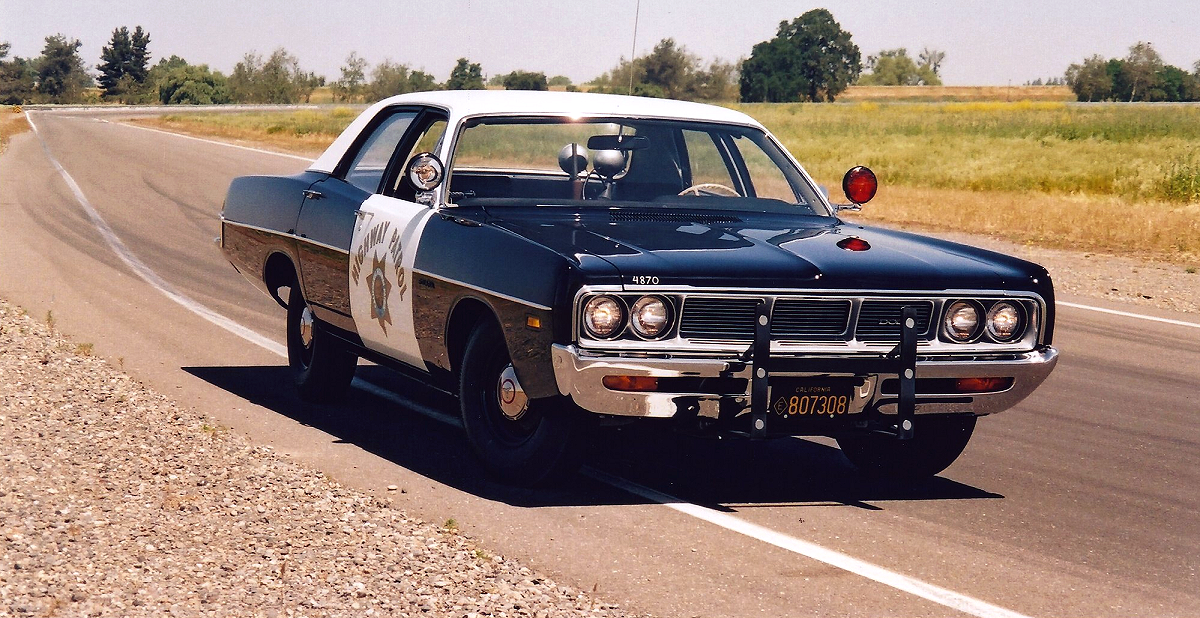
860 184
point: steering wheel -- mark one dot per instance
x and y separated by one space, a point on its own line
711 189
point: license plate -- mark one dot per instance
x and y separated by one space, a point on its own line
795 397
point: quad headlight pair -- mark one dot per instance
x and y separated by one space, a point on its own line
966 320
604 316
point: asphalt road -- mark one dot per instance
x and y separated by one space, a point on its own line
1082 501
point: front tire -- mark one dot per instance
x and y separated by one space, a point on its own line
937 441
321 365
529 445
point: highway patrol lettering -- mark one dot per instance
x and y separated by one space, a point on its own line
375 236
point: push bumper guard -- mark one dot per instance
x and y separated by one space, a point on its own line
901 361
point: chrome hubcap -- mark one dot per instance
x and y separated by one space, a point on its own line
306 326
510 395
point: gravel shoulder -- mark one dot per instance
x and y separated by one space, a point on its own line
116 501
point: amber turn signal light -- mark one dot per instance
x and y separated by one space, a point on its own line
983 385
630 383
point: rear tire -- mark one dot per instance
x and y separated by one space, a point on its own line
937 441
538 446
321 365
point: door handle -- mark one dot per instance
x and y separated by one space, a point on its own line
312 195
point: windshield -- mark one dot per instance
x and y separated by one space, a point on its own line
669 163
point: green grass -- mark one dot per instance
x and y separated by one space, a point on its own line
1134 152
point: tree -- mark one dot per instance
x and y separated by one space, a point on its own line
354 75
525 80
1172 83
1091 80
192 84
17 78
465 76
718 82
559 81
894 67
1141 66
306 82
420 81
278 79
61 76
932 59
670 71
811 58
124 61
670 68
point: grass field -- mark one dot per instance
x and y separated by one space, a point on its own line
883 94
1116 178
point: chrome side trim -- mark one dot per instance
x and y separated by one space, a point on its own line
286 235
476 288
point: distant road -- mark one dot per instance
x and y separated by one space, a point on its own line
1082 501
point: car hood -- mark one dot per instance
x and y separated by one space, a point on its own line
763 251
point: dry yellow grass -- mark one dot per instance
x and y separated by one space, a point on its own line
304 132
1159 230
12 122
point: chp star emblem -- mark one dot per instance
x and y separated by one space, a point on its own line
380 289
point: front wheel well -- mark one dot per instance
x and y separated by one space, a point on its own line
466 315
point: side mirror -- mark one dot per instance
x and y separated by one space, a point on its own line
425 171
859 184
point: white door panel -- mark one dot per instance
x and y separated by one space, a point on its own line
381 261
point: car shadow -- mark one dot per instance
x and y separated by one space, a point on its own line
726 474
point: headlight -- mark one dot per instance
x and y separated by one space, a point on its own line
650 317
603 316
1005 321
962 321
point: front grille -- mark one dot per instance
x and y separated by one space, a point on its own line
809 320
879 320
727 319
732 319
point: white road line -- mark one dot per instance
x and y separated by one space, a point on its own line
916 587
1127 314
145 272
213 141
937 594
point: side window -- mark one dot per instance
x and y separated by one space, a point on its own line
369 165
425 138
707 163
765 175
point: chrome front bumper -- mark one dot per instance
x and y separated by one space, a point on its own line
580 376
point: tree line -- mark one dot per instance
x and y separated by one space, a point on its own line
810 58
1139 76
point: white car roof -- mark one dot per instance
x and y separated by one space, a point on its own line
466 103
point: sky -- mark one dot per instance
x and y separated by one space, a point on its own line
986 42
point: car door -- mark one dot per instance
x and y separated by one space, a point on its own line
383 248
327 217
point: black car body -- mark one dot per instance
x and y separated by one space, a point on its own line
687 269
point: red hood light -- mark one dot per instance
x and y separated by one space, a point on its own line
854 244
